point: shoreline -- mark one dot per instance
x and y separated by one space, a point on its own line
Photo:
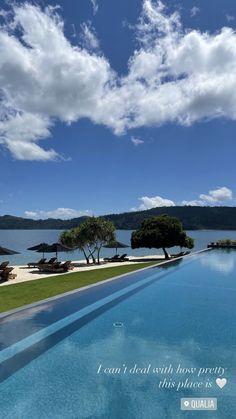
25 274
91 285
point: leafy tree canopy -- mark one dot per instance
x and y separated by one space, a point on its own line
161 232
90 236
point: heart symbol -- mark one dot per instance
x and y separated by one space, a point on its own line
221 382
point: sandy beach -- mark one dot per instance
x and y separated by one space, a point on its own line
31 274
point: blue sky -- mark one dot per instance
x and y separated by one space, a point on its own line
130 105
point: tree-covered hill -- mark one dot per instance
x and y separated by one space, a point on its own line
9 222
193 218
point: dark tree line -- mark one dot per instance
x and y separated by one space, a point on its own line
192 218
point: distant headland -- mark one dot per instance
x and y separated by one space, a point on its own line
193 218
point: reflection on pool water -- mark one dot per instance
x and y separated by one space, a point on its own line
180 319
224 263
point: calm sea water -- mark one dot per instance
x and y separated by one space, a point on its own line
20 240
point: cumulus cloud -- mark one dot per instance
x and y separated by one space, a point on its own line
194 11
214 197
136 141
18 132
217 196
153 202
37 86
175 75
62 213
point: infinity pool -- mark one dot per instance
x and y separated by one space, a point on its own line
124 349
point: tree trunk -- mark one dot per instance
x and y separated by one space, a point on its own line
98 256
91 254
86 257
165 253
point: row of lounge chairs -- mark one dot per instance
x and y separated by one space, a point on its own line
6 272
42 261
117 258
51 265
56 267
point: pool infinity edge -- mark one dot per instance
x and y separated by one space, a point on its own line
58 296
38 336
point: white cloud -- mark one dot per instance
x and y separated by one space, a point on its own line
19 132
194 11
88 36
218 195
62 213
95 6
44 78
181 76
136 141
214 197
176 75
193 203
153 202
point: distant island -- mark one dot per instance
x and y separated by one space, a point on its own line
193 218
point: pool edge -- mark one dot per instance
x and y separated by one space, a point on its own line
58 296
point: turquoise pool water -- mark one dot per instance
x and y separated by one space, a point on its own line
66 358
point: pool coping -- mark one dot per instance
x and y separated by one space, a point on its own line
114 278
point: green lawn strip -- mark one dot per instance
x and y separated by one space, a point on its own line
17 295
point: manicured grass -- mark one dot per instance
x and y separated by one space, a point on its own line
17 295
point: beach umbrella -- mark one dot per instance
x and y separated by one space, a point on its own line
115 245
39 247
55 248
5 251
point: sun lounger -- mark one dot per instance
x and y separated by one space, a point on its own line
42 262
118 258
56 267
7 274
46 267
36 264
112 258
123 258
64 267
51 261
4 265
178 255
